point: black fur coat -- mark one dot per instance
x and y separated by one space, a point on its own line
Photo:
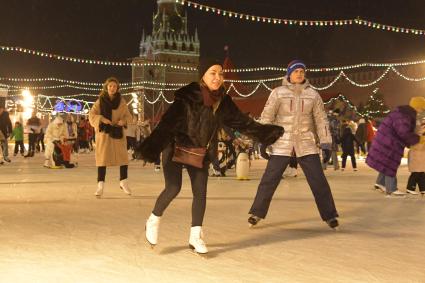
189 123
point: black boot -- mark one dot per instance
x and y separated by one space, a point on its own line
68 165
253 220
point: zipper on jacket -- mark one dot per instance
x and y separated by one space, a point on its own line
302 105
291 106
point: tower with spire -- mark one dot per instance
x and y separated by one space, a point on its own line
169 43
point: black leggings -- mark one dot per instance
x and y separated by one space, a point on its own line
416 178
352 157
101 173
173 184
32 139
19 145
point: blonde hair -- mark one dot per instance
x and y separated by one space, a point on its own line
105 85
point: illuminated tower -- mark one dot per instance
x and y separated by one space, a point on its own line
169 43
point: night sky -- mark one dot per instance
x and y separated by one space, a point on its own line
111 30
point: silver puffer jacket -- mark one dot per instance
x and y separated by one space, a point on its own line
299 110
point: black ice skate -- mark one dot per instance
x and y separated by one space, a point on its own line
253 220
333 223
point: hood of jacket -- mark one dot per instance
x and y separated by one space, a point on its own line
297 88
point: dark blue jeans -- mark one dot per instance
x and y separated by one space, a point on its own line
312 168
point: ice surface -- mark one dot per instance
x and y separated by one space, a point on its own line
53 229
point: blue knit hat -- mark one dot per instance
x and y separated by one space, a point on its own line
293 65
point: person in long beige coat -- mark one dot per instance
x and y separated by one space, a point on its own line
416 162
108 116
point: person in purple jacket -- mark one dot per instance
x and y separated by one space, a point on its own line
396 132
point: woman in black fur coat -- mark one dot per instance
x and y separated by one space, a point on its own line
199 109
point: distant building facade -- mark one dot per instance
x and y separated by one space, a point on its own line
169 43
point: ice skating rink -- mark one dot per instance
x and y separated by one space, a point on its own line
53 229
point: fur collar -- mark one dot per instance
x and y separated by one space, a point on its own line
190 93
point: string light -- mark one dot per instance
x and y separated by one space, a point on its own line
52 79
329 85
125 85
391 68
44 102
367 84
92 61
301 23
235 70
406 77
232 86
18 88
366 113
328 69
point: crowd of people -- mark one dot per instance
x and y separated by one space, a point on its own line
44 136
204 128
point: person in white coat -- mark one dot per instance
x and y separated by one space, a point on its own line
56 131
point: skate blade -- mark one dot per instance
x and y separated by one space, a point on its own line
252 225
149 243
395 196
194 252
378 189
125 191
412 196
152 246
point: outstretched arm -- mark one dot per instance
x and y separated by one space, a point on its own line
232 117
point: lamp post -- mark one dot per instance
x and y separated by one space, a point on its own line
135 103
27 103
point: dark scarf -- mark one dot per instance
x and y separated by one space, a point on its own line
211 97
106 107
106 104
